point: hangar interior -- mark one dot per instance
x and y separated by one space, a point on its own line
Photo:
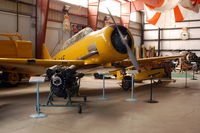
51 23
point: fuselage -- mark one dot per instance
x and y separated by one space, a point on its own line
99 47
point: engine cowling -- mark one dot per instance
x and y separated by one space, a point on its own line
99 47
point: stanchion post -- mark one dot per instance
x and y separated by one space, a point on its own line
37 98
186 79
132 84
103 98
131 99
37 80
151 92
103 86
193 77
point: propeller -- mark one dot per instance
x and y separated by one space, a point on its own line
125 42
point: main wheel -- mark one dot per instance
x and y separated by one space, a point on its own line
12 78
126 83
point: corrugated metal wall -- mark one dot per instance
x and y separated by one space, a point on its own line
78 15
26 7
170 36
8 23
55 36
8 18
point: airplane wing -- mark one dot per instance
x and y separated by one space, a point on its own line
161 58
39 66
142 61
36 66
127 63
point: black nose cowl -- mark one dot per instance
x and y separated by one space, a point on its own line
117 40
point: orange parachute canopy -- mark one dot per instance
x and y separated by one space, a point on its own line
167 12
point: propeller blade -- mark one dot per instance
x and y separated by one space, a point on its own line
115 24
124 41
132 58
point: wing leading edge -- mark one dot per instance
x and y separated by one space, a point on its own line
141 61
36 66
39 66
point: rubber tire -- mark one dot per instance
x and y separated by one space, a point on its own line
8 82
126 83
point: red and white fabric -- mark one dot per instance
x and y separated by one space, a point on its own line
167 12
191 5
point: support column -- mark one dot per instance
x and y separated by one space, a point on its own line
142 34
42 15
93 7
158 41
17 29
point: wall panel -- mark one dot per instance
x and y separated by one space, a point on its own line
171 35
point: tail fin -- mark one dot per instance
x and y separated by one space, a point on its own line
45 52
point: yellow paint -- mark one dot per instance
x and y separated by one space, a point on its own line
119 75
102 39
15 47
145 74
17 54
45 52
160 73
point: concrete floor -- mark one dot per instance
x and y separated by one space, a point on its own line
178 110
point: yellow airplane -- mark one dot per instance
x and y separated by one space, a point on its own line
103 50
100 50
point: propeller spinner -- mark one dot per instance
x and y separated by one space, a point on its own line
124 40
